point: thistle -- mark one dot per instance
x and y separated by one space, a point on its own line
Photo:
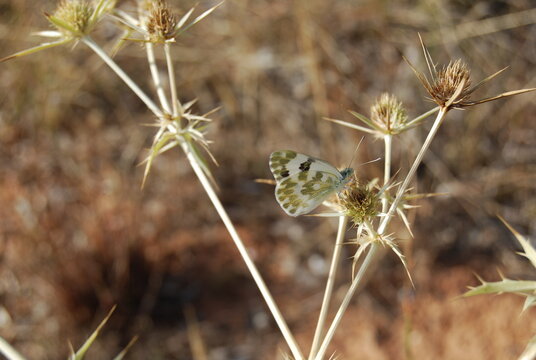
360 203
158 23
450 87
73 20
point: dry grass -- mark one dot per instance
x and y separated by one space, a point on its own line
77 234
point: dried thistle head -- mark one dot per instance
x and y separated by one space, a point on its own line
162 23
388 114
450 87
447 81
360 203
73 17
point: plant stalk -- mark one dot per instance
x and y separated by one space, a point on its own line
343 221
388 140
381 229
175 103
8 351
156 78
130 83
291 342
402 189
346 301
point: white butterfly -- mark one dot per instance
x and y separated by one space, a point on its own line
303 182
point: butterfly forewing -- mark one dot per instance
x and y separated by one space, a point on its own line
303 182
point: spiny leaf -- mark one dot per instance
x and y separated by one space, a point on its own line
530 252
529 302
36 49
122 354
350 125
503 286
85 347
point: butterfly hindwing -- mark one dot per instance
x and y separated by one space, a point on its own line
303 182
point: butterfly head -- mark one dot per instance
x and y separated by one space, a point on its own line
347 174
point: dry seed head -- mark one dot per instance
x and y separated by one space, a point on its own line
162 22
76 14
360 203
388 114
447 81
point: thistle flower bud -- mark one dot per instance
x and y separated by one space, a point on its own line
73 17
360 203
388 114
162 23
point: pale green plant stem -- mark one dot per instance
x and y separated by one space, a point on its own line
381 229
402 189
130 83
293 345
343 221
8 351
291 342
346 301
175 103
423 116
156 77
388 141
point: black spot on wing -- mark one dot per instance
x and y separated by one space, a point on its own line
305 166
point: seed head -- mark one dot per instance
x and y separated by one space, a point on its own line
75 15
162 23
446 82
388 114
360 203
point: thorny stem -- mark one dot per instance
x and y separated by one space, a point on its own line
293 345
381 229
131 84
343 221
156 77
172 84
8 351
388 140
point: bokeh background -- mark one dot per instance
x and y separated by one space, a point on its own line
78 235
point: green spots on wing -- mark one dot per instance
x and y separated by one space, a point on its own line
279 161
303 176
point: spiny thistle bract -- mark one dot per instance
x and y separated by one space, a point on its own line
77 18
389 115
450 87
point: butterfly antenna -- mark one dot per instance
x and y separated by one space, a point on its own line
371 161
355 152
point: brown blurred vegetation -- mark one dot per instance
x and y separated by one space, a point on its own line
77 234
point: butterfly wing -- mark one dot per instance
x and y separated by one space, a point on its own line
303 182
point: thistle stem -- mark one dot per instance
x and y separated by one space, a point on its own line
402 189
346 301
8 351
291 342
130 83
156 78
381 229
172 84
388 140
343 221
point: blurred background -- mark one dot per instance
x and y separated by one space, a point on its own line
78 235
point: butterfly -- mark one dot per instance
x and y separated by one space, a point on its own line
304 182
